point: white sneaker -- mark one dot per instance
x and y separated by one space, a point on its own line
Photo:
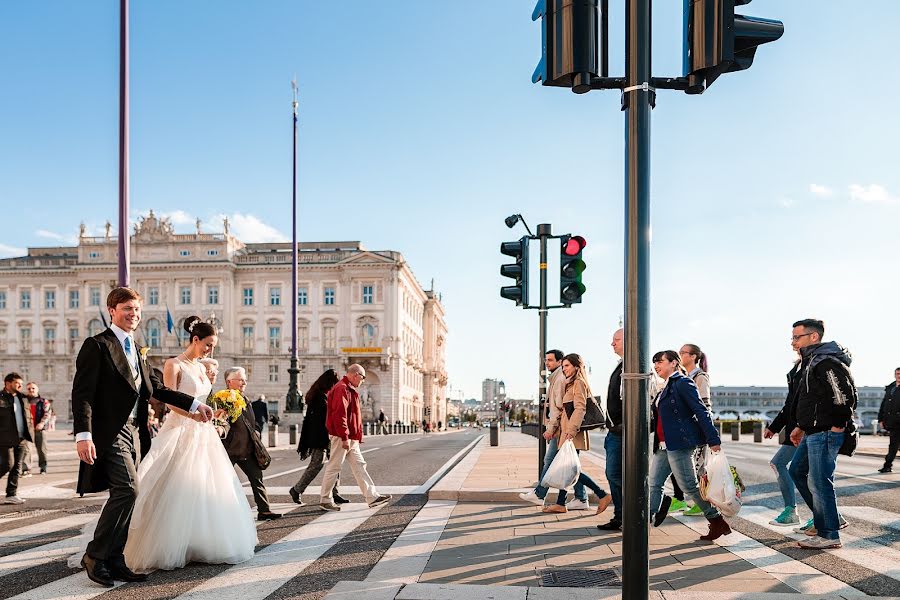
531 497
13 500
578 505
819 543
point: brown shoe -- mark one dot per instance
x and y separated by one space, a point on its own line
717 528
603 503
555 508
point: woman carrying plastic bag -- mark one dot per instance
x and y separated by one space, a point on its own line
682 423
718 484
565 468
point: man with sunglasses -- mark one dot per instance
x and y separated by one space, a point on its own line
344 425
822 409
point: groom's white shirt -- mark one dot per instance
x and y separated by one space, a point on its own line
121 334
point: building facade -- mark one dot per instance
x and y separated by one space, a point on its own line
746 402
353 305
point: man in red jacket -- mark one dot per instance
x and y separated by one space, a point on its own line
344 426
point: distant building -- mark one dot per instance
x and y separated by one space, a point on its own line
491 390
768 401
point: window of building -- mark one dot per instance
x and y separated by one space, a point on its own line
94 327
2 300
248 296
2 338
274 338
73 339
368 335
329 295
247 338
25 337
329 337
303 337
95 296
49 339
74 298
302 296
212 294
153 295
212 252
25 299
48 373
368 294
154 333
275 296
273 373
49 299
185 294
93 255
184 253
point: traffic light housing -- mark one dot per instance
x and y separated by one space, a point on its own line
518 271
569 42
571 266
718 41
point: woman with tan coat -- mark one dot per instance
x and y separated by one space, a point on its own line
567 426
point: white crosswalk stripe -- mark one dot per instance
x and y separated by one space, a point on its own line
44 527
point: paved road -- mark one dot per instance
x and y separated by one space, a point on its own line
300 556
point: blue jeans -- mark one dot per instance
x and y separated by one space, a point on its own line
681 464
813 473
583 480
540 491
613 446
780 464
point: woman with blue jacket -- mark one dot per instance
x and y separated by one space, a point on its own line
682 423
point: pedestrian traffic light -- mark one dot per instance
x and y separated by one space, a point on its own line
571 266
569 43
718 41
518 271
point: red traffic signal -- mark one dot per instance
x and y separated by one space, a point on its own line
574 245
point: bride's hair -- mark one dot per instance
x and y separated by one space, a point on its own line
198 328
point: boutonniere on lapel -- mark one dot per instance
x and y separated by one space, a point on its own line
143 351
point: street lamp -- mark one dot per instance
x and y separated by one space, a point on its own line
294 402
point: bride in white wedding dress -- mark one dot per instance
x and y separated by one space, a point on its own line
190 504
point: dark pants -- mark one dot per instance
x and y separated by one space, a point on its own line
316 462
251 469
40 444
892 448
11 462
676 491
119 463
25 462
613 446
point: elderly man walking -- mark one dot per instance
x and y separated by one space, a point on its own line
344 425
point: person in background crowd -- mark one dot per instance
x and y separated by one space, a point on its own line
613 442
314 443
40 414
260 412
211 367
16 430
678 433
382 421
576 392
889 418
782 459
695 363
51 424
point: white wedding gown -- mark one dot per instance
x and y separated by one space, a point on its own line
190 504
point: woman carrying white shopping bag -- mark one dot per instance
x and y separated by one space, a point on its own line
682 423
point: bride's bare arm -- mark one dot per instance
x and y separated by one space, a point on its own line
171 379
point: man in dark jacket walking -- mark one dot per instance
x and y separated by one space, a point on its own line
613 442
889 418
786 452
16 430
824 407
260 413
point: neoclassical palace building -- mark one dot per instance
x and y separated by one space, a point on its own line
354 306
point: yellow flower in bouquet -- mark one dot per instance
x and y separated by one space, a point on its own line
230 400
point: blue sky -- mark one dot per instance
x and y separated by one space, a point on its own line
773 193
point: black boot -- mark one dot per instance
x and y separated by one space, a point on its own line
338 499
97 571
885 469
663 511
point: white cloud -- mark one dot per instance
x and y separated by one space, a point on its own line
821 190
249 228
872 194
179 217
10 251
58 237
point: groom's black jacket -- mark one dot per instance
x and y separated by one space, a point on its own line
103 394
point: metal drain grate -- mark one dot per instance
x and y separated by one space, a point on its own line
580 577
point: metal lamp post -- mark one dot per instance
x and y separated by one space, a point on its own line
293 402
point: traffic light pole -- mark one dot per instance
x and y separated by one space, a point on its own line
638 100
544 234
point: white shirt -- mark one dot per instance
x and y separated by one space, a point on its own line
20 418
121 334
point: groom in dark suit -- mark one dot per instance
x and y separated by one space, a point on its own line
110 397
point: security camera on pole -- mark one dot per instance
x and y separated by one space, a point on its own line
570 291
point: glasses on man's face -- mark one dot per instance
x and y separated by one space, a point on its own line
795 338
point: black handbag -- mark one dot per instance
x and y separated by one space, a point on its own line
851 439
594 415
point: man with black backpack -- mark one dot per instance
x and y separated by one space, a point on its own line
823 410
889 418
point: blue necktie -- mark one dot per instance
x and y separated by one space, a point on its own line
129 354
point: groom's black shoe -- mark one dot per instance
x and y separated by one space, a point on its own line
267 516
120 572
97 571
338 499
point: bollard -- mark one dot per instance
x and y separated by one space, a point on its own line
718 425
390 428
495 434
736 431
758 432
273 436
292 434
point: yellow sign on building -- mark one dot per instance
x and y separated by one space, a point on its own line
361 350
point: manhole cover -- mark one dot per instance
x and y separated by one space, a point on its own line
580 577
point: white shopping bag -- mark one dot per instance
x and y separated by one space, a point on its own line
565 468
720 489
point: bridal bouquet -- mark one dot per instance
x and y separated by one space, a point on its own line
231 401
